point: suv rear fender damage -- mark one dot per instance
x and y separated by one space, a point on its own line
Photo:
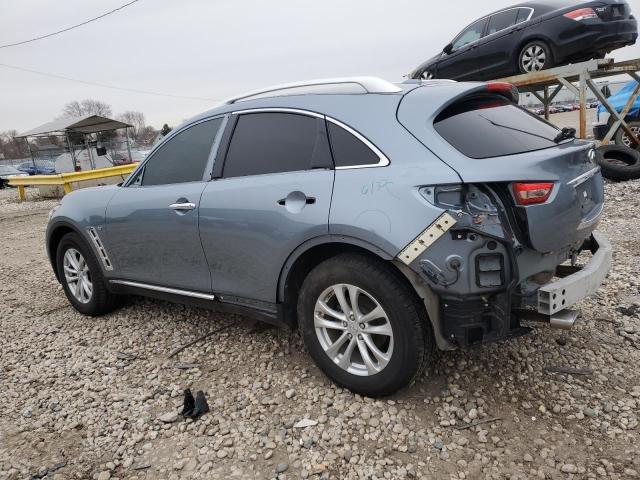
470 275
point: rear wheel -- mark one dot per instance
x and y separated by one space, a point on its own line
427 75
81 277
362 325
535 56
618 162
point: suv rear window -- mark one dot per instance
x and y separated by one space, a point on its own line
492 126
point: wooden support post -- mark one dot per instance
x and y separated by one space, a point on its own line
546 103
583 106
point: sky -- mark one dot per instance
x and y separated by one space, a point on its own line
212 49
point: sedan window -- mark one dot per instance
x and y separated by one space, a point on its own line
471 34
182 158
523 14
274 142
502 20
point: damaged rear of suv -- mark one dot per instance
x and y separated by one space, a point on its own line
529 200
382 220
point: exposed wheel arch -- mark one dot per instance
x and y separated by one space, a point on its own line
314 251
59 231
317 249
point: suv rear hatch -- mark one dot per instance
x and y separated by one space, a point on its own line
487 139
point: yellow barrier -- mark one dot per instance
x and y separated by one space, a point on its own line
66 179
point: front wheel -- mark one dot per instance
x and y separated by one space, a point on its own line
535 56
81 277
363 325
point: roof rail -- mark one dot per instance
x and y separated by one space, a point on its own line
366 84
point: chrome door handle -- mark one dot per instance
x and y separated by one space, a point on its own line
183 206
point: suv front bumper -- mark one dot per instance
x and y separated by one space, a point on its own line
557 296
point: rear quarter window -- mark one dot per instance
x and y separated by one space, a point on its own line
491 126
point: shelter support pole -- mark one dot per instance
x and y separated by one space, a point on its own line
33 160
91 161
126 134
71 152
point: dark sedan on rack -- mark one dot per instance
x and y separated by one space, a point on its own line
533 36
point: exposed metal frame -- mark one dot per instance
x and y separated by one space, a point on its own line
539 84
367 84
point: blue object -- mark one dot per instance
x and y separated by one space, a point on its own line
620 99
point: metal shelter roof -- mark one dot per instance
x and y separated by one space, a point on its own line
83 124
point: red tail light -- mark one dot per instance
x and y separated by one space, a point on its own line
581 14
505 89
528 193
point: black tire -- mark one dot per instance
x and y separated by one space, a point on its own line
100 301
535 46
622 138
412 337
618 162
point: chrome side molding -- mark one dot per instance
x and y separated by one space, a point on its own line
158 288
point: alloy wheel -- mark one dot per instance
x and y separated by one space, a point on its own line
426 75
353 329
534 58
626 140
77 275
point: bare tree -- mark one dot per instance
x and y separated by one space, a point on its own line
136 120
86 107
12 147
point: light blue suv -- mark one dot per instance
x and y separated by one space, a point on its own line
382 220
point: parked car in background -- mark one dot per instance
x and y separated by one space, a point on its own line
382 221
39 167
7 172
618 102
533 36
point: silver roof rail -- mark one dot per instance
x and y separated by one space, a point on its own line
366 84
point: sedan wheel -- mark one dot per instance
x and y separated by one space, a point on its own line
533 59
427 75
77 275
353 329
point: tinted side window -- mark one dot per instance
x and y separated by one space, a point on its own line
183 157
491 126
349 150
471 34
523 15
502 20
274 142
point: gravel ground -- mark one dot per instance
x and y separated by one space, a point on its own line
97 397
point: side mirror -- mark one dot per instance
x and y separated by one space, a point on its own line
448 48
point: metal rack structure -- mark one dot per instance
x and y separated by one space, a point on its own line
577 78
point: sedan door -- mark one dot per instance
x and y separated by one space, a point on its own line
461 61
152 222
498 47
272 192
